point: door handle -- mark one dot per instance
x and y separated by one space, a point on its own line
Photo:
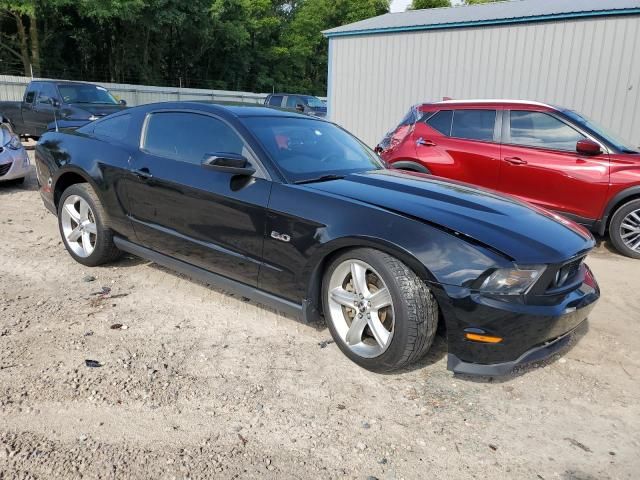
421 142
143 173
515 160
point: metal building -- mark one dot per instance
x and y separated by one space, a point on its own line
581 54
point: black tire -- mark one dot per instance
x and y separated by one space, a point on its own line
105 250
415 311
615 233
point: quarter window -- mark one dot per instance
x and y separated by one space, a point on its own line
537 129
441 121
115 127
474 124
189 136
275 101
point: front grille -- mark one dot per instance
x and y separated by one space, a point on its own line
567 273
5 168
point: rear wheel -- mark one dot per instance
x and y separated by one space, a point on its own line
624 229
81 220
381 315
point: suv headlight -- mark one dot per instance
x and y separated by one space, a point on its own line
512 281
14 143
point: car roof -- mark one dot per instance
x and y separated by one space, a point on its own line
489 101
291 94
233 108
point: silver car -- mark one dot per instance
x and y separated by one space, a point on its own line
14 161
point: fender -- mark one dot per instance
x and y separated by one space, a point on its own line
628 193
410 165
312 276
60 174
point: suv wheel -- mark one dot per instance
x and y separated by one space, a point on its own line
624 229
81 220
380 314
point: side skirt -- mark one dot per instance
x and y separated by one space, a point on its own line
225 283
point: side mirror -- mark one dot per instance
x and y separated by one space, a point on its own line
229 163
123 102
588 147
55 103
300 107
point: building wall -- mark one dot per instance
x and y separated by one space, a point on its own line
590 65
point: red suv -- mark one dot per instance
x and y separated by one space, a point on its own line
549 156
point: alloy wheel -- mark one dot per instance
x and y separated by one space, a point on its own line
361 308
630 230
79 226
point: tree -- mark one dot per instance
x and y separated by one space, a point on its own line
22 43
420 4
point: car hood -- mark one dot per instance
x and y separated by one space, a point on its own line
98 110
520 231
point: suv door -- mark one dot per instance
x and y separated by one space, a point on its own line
540 164
179 207
462 144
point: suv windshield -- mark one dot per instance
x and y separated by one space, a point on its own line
86 94
314 102
308 150
589 124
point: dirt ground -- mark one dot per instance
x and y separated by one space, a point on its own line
199 384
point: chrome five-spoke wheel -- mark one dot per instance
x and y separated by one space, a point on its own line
79 226
630 230
361 308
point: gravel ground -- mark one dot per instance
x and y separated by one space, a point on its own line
197 383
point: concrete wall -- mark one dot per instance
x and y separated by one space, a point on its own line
590 65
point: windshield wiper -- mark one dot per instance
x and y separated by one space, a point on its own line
323 178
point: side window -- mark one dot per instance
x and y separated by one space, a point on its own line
47 92
275 101
441 121
116 127
292 102
30 96
537 129
189 136
474 124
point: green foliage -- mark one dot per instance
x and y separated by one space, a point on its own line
254 45
477 2
420 4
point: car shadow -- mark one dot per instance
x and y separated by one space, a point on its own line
12 186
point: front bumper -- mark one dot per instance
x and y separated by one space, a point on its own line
14 164
530 332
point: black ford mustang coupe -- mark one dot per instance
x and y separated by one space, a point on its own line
298 214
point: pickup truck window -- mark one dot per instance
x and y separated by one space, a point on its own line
30 96
47 92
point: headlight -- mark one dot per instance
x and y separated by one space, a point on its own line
512 281
14 143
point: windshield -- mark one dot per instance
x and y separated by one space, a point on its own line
86 94
315 102
305 150
589 124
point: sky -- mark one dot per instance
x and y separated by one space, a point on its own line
401 5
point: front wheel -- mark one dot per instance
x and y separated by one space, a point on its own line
624 229
379 312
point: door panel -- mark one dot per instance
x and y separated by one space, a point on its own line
473 161
554 178
205 217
